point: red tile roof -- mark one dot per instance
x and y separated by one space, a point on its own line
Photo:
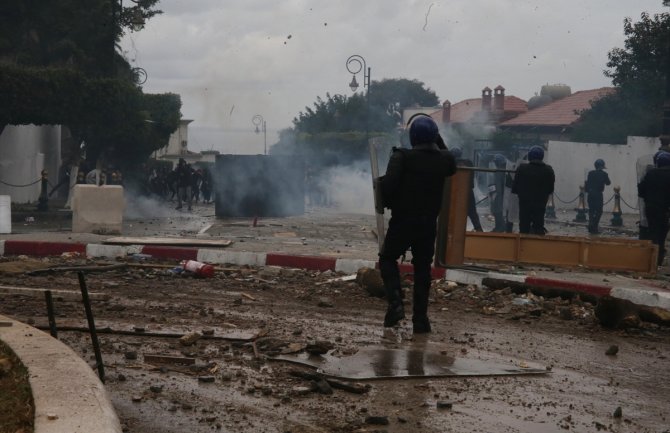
563 112
466 110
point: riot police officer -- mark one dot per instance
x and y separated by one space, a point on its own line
412 189
653 188
533 183
595 185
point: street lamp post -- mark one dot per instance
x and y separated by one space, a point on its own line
261 125
356 64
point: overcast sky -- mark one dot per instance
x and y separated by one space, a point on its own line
232 59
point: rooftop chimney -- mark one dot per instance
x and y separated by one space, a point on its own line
499 99
486 99
446 111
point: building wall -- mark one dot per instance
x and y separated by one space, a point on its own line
24 151
572 161
178 142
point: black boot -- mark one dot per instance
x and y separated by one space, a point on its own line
394 314
420 322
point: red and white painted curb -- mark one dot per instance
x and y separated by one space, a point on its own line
638 296
642 297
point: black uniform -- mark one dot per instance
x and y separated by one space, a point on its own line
412 189
654 188
595 185
533 183
472 204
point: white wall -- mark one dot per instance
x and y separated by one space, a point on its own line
24 151
572 161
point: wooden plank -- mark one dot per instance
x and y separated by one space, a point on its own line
614 254
167 359
126 240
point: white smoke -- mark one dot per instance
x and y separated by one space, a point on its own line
349 189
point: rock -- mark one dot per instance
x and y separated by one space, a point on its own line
612 350
121 378
319 347
325 303
206 379
444 405
565 313
190 338
156 389
611 312
131 355
617 412
377 420
322 387
208 332
136 398
301 390
5 366
371 281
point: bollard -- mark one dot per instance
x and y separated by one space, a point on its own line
616 220
581 207
43 201
550 213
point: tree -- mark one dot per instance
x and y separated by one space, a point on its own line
334 130
638 71
60 65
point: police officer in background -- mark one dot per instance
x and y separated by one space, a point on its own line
412 189
653 188
472 204
595 185
533 184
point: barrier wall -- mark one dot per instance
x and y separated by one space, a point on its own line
97 209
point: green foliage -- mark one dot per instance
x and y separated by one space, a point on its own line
639 73
60 65
333 131
111 115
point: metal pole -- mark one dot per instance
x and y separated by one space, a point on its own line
50 314
265 137
91 326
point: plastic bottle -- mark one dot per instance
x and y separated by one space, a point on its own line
198 268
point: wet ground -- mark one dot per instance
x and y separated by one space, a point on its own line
232 385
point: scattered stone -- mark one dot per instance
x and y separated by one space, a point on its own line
190 338
444 405
319 347
301 390
297 332
5 366
322 387
371 281
377 420
208 332
121 377
615 313
137 398
130 355
52 416
186 406
139 329
325 303
612 350
565 313
157 389
618 413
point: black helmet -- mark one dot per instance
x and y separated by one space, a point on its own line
536 153
662 159
423 130
599 163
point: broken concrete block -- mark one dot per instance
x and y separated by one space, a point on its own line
97 209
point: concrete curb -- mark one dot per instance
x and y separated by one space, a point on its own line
68 396
639 297
647 298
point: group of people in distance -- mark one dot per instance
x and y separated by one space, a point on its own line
412 190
